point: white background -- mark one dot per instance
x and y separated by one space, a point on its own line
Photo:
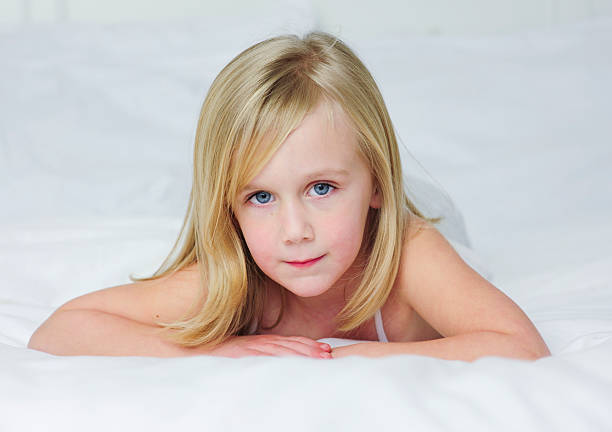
347 16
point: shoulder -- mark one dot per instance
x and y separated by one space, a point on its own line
448 294
427 260
430 268
415 226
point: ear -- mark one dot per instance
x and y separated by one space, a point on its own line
376 200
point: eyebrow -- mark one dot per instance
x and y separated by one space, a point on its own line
311 176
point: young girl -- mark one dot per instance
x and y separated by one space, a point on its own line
298 229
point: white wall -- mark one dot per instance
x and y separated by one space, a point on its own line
347 17
17 12
453 17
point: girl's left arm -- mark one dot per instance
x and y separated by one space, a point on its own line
474 317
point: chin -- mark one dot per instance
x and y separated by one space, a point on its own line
307 294
307 288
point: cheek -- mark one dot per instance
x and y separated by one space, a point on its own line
259 244
344 234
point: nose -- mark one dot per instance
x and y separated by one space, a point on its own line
295 225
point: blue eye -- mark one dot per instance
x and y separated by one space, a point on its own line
260 194
262 197
324 189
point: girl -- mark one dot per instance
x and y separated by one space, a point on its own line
298 228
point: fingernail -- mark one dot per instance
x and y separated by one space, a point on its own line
325 347
325 355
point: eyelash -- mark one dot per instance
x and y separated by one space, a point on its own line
320 196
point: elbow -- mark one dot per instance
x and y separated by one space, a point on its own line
536 346
38 341
521 345
539 351
530 347
46 337
531 354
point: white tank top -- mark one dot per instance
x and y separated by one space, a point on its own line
380 330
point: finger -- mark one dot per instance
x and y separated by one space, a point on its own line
253 352
313 342
309 350
279 349
303 345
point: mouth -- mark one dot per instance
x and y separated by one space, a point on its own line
306 263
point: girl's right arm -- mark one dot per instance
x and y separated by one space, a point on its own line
120 321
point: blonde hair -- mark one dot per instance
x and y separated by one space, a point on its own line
253 104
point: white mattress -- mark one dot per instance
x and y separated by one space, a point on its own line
96 129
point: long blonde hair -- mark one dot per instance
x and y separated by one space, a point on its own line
253 104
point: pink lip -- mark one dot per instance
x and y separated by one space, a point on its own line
305 263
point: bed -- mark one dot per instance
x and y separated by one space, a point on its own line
96 130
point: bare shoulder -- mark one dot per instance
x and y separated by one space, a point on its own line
416 226
430 266
165 299
414 229
451 296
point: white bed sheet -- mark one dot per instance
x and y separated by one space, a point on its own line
94 178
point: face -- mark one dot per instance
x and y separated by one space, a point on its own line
311 200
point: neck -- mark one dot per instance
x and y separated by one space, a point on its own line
324 307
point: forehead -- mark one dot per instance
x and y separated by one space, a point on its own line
325 134
324 142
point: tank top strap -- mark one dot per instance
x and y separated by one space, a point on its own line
380 330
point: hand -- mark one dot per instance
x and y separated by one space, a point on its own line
270 345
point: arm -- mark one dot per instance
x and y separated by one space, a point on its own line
473 316
122 320
92 332
467 347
